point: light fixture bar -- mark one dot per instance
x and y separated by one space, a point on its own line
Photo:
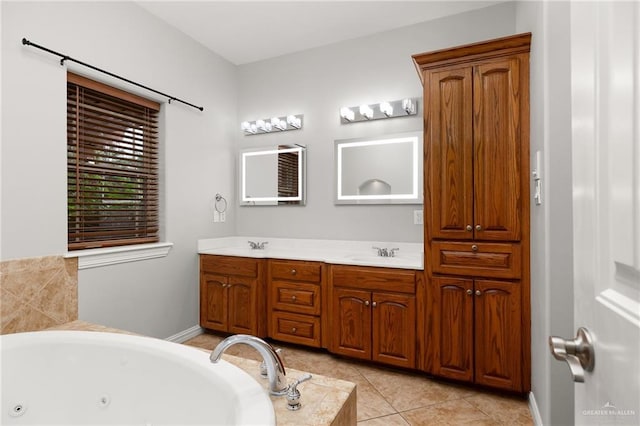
272 125
388 109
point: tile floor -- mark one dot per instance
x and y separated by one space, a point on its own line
389 396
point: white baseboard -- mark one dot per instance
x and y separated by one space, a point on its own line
185 335
535 413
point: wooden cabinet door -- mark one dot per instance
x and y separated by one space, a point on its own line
497 150
351 319
394 329
243 308
450 345
213 301
449 146
498 331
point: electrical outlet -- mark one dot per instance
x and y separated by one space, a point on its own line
216 216
417 217
223 216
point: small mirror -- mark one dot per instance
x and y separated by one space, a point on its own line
273 176
383 170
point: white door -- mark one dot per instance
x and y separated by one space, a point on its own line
605 73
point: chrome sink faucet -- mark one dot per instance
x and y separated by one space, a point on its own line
386 252
275 368
257 245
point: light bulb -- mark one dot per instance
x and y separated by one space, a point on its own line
293 121
409 106
246 126
254 128
386 108
347 113
366 111
260 125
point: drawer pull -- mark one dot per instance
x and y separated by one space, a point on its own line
469 228
469 292
366 303
478 293
478 228
474 247
293 298
374 304
293 330
293 272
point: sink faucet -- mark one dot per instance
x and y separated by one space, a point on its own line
386 252
275 368
257 245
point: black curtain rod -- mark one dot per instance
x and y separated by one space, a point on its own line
69 58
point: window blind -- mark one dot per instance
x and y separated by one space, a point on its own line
112 166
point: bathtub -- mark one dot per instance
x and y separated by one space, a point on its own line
90 378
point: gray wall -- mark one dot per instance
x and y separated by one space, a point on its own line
317 83
153 297
551 223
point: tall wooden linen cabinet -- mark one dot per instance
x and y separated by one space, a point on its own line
476 208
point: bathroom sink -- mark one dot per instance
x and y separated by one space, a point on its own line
382 260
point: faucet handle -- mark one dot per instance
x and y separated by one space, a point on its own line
263 365
392 252
261 245
293 394
379 250
252 244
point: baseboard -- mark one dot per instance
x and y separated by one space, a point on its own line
185 335
535 413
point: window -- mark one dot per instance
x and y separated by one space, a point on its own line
112 166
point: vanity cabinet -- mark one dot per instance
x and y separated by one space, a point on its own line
295 294
232 297
476 162
372 314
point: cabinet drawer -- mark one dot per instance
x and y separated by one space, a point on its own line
288 296
229 265
491 260
296 328
396 280
297 271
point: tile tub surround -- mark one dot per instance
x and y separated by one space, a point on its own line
37 293
325 400
388 396
361 253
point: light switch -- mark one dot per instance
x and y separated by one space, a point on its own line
417 217
537 179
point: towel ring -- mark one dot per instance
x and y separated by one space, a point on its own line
221 204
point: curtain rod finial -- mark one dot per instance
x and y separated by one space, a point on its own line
25 41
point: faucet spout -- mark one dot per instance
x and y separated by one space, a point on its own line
275 367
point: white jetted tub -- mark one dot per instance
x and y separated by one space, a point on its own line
90 378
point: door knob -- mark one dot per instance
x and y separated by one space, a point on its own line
578 353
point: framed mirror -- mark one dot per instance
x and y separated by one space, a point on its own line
380 170
272 176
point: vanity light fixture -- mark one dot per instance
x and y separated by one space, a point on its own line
289 122
387 109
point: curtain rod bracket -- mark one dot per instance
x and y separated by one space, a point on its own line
64 58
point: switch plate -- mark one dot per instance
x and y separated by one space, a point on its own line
417 217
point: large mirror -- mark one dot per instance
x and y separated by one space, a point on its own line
380 170
272 176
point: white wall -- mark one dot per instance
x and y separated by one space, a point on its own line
317 83
551 223
155 297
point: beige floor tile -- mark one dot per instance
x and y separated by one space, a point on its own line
457 412
503 409
407 391
392 420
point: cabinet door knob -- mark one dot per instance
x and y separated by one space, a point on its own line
478 292
374 304
478 228
474 247
469 292
469 228
366 303
293 272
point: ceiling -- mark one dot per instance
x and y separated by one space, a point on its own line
248 31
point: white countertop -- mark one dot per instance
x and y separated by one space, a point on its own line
361 253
